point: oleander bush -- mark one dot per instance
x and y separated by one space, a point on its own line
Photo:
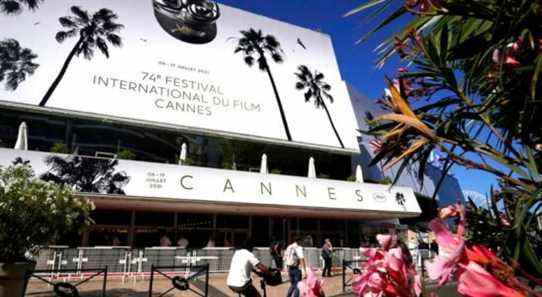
34 212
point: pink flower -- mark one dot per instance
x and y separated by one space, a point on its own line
370 283
386 241
475 281
312 286
481 255
386 272
504 220
451 246
449 211
507 58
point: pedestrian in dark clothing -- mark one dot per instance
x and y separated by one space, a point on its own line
327 254
276 253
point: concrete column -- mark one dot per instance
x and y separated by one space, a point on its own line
270 227
346 241
84 238
250 226
131 230
319 238
175 224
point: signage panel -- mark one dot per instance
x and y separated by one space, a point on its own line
186 63
153 180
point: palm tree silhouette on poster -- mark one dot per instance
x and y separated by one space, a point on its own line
82 174
16 63
317 89
16 6
93 31
254 46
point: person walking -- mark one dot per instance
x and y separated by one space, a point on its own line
294 260
242 263
327 254
276 252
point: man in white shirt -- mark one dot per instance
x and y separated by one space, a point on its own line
242 263
294 260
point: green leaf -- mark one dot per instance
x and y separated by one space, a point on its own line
395 15
363 7
532 166
443 44
513 167
530 256
537 70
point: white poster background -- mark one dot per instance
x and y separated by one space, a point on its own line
147 47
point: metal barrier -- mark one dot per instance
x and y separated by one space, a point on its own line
181 280
64 288
350 265
125 263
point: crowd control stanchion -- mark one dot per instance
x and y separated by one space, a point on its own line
67 289
181 282
349 266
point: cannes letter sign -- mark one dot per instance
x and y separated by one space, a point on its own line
192 64
187 183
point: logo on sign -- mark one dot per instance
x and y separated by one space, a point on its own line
400 198
192 21
379 197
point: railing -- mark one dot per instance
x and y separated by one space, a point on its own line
123 262
59 282
350 269
180 278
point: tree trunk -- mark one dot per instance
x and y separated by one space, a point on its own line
279 103
61 73
332 124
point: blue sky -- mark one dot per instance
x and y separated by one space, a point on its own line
356 61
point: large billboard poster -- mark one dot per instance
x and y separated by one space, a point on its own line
193 64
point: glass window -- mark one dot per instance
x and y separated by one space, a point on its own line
232 221
92 137
111 217
157 219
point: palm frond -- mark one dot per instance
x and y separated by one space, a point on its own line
318 76
111 27
67 22
277 58
62 35
249 60
11 7
114 39
328 96
81 14
102 45
308 95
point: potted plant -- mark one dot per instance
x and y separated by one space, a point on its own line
32 213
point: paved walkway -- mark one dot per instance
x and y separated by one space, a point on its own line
217 288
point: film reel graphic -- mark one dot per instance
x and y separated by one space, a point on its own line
192 21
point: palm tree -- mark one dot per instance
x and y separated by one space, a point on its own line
254 46
93 32
317 89
15 6
89 175
16 63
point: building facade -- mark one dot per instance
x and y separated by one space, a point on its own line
201 126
